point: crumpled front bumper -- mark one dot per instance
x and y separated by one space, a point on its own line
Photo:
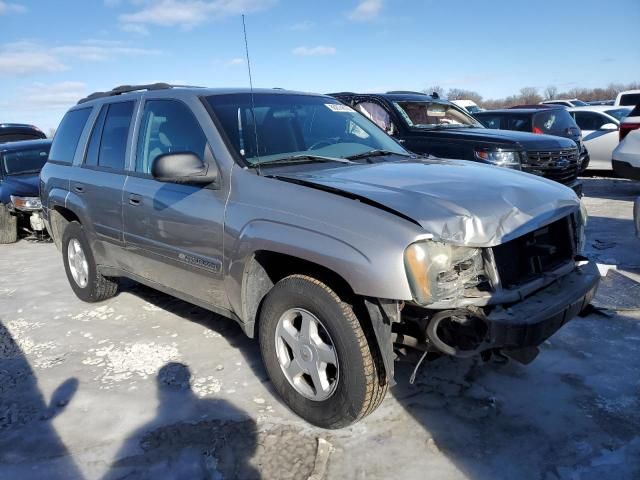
531 321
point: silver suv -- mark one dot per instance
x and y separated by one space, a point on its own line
319 234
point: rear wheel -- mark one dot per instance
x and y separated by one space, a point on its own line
85 280
317 354
8 226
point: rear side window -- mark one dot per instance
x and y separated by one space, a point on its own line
631 99
167 126
115 131
93 149
590 120
68 134
489 121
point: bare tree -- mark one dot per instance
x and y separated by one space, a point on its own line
529 95
550 92
435 89
462 94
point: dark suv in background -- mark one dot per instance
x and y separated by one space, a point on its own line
428 125
12 132
539 119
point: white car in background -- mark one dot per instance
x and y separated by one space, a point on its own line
599 125
468 105
626 156
628 98
565 102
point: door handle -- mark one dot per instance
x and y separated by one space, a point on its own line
135 200
78 188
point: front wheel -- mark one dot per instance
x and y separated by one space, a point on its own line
317 354
85 280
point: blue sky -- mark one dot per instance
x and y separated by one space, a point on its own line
54 52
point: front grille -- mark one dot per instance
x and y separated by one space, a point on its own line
527 257
558 165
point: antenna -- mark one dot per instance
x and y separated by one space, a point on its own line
253 105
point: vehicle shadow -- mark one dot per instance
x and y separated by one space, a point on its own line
612 241
610 188
189 437
30 447
572 413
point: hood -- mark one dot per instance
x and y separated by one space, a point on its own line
458 202
529 141
20 185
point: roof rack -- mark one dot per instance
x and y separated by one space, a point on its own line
130 88
406 92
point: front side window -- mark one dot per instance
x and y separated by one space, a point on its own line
281 126
590 120
168 126
113 145
377 114
68 135
420 114
24 161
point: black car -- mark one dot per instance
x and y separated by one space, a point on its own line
539 119
13 132
428 125
20 165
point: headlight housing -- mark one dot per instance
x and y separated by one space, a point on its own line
26 204
501 158
438 271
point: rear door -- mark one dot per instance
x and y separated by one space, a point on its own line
173 232
102 176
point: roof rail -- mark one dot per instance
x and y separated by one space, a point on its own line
128 88
406 92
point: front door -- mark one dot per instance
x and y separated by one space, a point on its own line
599 143
173 232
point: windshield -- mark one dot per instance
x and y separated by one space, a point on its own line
554 122
630 99
25 161
420 114
579 103
288 126
473 109
618 113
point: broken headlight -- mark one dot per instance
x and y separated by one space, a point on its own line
26 204
437 271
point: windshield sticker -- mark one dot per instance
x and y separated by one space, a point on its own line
338 107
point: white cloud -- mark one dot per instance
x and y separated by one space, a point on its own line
23 58
52 96
6 7
235 62
314 51
301 26
134 28
366 10
189 13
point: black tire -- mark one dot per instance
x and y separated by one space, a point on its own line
98 287
8 226
360 386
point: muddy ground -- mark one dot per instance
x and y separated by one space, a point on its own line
147 386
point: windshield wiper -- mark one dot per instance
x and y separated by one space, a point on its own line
302 158
375 153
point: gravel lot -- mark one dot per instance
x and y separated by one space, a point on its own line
147 386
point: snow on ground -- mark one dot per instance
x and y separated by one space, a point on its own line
147 386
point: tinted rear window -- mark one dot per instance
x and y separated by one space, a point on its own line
114 135
16 137
554 122
68 134
630 99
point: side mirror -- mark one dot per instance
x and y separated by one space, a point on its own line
182 167
609 127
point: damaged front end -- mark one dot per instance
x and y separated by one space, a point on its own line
29 211
508 298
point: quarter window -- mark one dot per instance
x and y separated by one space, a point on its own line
66 139
167 126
